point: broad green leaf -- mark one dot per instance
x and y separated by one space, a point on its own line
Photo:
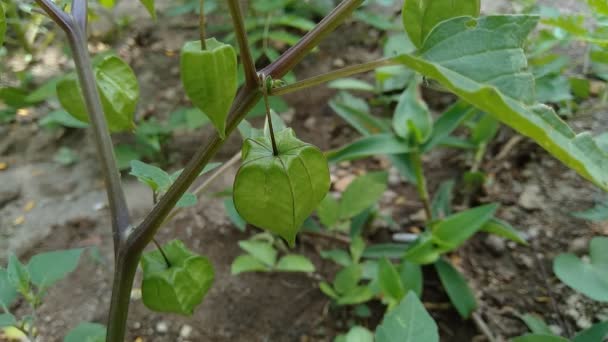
261 250
210 79
408 322
390 282
295 263
362 193
2 24
8 292
86 332
456 229
356 295
347 279
447 123
372 145
188 199
45 91
278 193
456 287
421 16
247 263
356 112
178 287
350 84
482 61
329 211
503 229
411 277
424 251
589 278
412 120
151 175
597 332
149 4
18 275
45 269
118 89
6 319
233 215
539 338
536 324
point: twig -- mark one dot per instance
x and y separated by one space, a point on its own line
251 76
333 237
483 327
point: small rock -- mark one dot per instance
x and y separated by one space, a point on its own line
531 198
311 123
339 63
136 325
496 244
343 183
419 216
185 331
579 245
583 323
162 327
526 261
556 329
394 178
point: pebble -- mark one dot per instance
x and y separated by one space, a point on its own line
162 327
579 245
496 244
531 198
185 331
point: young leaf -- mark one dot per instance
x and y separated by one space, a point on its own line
362 193
117 87
339 256
424 251
18 275
263 251
149 4
347 279
329 211
390 282
373 145
233 215
504 89
408 322
177 288
151 175
247 263
8 292
356 295
596 214
411 277
536 324
278 193
539 338
45 269
210 79
6 319
441 205
328 290
447 123
295 263
61 118
421 16
456 229
412 120
485 129
589 278
86 332
357 246
457 288
503 229
596 332
356 112
357 334
188 199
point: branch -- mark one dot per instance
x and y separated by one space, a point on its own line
78 44
251 75
79 12
296 53
333 75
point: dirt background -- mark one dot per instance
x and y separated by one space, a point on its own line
45 206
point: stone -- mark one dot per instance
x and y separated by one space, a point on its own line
162 327
531 198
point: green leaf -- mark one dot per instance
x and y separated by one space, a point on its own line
596 214
261 250
447 123
233 215
589 278
411 277
356 295
188 199
118 89
421 16
62 118
408 322
149 4
8 292
390 282
598 6
247 263
44 92
373 145
424 251
18 275
358 334
441 205
385 250
597 332
347 279
210 79
456 229
86 332
46 269
362 193
357 246
295 263
328 290
278 193
329 211
536 324
65 156
339 256
150 175
457 288
2 24
6 319
412 120
177 288
503 229
356 112
485 129
482 61
539 338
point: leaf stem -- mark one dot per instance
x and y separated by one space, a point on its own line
201 26
162 252
251 77
421 186
266 86
333 75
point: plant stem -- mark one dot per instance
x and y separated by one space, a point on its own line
201 26
124 274
266 86
79 12
251 76
421 183
333 75
160 249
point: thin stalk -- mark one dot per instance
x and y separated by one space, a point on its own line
162 252
201 26
79 12
423 192
275 150
251 76
333 75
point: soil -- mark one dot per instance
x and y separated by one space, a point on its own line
45 206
